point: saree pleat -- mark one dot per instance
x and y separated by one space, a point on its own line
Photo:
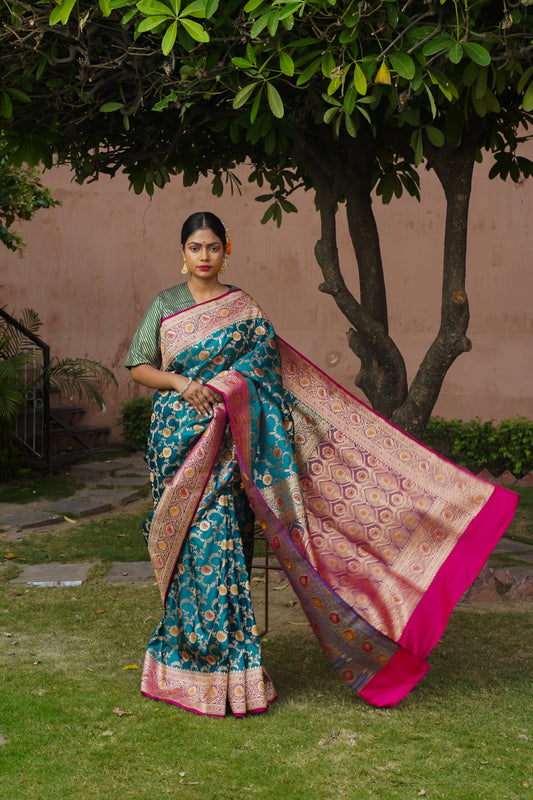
378 536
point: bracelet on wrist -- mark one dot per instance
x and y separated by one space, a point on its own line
180 394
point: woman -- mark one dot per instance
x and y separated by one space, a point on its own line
378 536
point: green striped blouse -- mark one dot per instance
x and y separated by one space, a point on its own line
146 344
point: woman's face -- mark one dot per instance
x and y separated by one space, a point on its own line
204 253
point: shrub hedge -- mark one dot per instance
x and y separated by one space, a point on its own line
135 420
496 446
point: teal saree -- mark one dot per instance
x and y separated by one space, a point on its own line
378 536
205 654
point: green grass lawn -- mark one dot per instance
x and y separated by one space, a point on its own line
116 537
38 487
77 727
521 528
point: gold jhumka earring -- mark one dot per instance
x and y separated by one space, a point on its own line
228 252
184 268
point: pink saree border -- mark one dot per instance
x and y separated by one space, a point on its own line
206 693
430 618
460 569
394 681
240 424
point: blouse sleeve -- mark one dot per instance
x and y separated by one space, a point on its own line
146 344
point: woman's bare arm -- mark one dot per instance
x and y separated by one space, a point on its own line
200 397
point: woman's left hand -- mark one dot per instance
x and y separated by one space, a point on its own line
201 398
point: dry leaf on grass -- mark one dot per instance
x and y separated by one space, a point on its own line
121 713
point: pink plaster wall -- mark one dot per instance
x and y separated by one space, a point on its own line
91 267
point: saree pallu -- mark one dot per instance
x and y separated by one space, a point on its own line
378 536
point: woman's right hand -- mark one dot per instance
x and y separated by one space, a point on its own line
201 398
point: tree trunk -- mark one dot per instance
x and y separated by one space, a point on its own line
382 376
454 168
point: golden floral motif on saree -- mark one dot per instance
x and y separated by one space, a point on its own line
180 333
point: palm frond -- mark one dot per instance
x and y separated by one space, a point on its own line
22 370
80 376
13 340
12 400
13 368
31 320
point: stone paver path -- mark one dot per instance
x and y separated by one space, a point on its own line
109 485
